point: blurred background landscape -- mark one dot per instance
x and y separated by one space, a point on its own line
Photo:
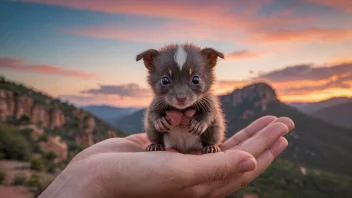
69 79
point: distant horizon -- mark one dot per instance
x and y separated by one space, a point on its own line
142 107
85 53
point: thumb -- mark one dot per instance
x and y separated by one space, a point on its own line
218 166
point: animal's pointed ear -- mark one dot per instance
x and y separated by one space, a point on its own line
148 57
212 55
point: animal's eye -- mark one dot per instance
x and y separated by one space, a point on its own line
195 80
165 81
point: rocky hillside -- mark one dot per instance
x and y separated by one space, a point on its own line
20 104
44 133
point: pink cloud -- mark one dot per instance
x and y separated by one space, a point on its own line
103 99
166 32
246 54
307 34
20 65
196 11
227 21
234 16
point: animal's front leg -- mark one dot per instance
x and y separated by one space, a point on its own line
155 147
163 124
156 125
213 136
199 123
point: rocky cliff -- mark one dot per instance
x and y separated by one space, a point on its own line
258 96
24 105
45 115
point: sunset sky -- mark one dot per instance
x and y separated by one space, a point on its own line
84 50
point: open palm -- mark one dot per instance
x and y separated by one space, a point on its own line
120 167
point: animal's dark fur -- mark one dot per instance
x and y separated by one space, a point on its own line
207 127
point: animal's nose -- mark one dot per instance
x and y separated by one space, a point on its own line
181 98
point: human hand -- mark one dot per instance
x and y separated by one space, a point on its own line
120 167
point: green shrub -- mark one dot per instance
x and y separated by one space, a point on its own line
36 164
13 145
51 168
27 133
20 179
2 176
36 148
41 187
24 119
37 184
12 120
34 180
50 156
43 138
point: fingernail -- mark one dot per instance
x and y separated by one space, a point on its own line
247 165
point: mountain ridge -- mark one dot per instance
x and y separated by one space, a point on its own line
108 113
313 142
312 107
340 114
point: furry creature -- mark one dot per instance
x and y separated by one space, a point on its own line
181 77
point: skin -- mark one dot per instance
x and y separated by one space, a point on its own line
120 167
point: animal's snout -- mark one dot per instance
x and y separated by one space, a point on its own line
181 98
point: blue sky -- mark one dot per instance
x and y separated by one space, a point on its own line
82 45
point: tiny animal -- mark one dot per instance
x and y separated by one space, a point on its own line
181 77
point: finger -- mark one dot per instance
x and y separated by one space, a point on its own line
254 129
140 139
263 140
235 182
247 132
264 162
215 166
171 150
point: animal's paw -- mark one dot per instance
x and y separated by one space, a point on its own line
163 124
155 147
210 149
197 127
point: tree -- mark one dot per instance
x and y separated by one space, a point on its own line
50 156
2 176
13 145
20 179
25 119
36 164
